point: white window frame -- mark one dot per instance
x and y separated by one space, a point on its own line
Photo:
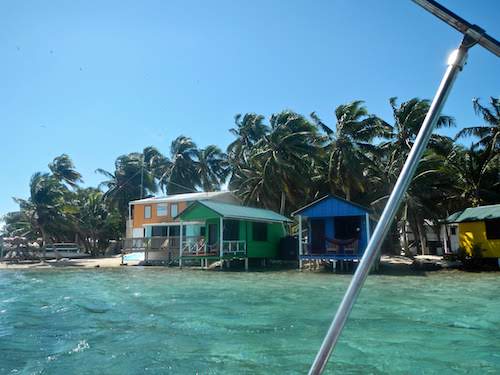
174 209
146 210
163 205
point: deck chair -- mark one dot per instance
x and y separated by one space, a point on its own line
351 248
332 246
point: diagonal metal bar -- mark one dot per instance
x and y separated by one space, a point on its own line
472 35
461 25
389 212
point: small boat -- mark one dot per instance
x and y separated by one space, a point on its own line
63 250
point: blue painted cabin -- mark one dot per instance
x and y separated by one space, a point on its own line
332 228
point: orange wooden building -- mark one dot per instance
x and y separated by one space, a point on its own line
154 217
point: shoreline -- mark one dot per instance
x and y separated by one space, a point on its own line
390 265
104 262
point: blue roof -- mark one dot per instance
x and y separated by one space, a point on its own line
331 206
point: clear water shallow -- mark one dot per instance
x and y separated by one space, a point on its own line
160 321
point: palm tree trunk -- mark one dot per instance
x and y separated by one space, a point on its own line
347 193
406 248
422 236
414 230
44 241
282 204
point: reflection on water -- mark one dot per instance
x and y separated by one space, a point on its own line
158 321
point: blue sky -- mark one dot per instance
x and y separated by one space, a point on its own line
99 79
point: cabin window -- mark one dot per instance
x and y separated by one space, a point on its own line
147 212
174 209
162 209
159 231
492 229
453 231
132 212
259 231
175 231
231 230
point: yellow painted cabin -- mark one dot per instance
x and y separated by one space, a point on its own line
479 226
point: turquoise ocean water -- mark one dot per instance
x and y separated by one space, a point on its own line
168 321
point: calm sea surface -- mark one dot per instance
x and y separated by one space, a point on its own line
167 321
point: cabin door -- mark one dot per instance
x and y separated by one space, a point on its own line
212 235
317 236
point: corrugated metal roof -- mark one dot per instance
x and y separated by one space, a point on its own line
182 197
330 197
234 211
476 214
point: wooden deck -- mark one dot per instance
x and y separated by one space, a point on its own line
326 256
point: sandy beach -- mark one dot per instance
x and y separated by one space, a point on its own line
389 264
106 262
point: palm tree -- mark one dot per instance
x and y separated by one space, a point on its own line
391 155
44 208
158 165
93 219
181 176
489 134
211 167
474 174
63 169
18 223
278 166
248 131
350 146
131 180
408 118
250 128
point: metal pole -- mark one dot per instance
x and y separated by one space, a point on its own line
142 174
333 334
300 242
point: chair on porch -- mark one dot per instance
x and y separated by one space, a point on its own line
332 246
352 247
337 246
213 249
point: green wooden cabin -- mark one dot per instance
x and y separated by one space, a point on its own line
230 231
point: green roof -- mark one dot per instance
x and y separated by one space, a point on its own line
476 214
234 211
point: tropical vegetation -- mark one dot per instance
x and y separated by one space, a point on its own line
281 163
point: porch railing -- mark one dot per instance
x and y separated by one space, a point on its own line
347 248
151 244
234 247
194 245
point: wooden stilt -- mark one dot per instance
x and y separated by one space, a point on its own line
246 264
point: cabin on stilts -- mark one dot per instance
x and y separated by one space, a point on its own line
231 232
333 230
